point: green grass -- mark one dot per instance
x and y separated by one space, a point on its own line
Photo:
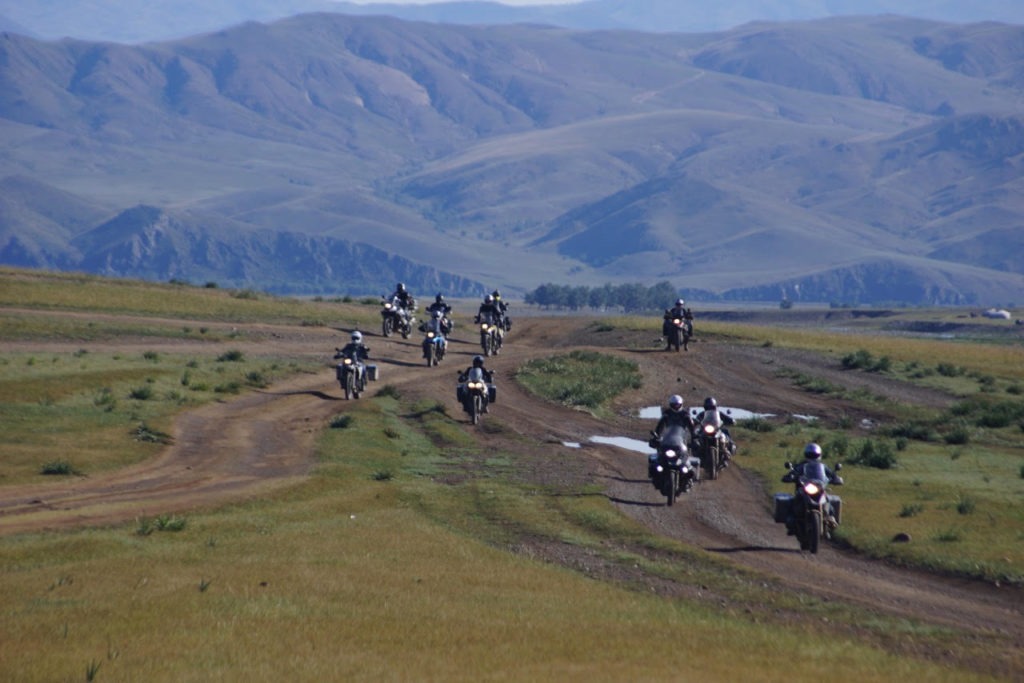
580 379
416 551
352 577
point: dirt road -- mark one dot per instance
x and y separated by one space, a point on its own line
237 449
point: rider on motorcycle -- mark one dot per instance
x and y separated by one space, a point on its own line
727 420
478 362
503 310
674 414
811 465
492 306
405 300
442 306
356 347
677 312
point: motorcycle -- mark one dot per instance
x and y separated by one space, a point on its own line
491 333
351 373
395 318
711 444
677 331
475 393
434 343
671 468
812 512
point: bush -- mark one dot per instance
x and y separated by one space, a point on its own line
877 454
143 393
232 356
57 467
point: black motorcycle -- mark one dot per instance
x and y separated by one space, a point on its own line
811 511
351 373
671 468
677 332
434 342
491 333
475 393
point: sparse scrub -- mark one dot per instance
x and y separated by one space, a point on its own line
57 467
232 387
147 525
911 510
389 391
232 356
965 504
147 434
151 356
583 379
876 454
143 393
341 422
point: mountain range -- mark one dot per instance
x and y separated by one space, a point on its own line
851 159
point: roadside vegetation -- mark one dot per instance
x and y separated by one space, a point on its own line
415 548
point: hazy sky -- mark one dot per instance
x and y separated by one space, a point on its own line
427 2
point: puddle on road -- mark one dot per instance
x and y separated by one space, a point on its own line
654 413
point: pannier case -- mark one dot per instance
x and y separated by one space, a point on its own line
371 372
782 503
492 393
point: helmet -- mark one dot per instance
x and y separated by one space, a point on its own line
675 402
496 294
478 361
680 302
439 298
489 299
812 451
400 287
357 336
710 403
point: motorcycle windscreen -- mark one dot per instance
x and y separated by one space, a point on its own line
674 437
816 471
476 375
712 417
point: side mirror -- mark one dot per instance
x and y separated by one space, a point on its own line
789 465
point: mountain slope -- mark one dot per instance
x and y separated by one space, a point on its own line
822 154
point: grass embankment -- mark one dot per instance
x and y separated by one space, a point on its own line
376 570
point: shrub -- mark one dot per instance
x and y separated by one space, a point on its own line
147 525
341 421
151 356
965 504
911 510
57 467
143 393
877 454
147 434
232 356
958 436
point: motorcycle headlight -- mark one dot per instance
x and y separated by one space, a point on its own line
812 489
670 454
348 361
387 306
430 335
709 430
659 468
676 321
483 327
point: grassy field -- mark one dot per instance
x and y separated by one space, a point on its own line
373 570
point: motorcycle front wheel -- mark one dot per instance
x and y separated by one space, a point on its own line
431 356
477 409
673 486
349 385
813 531
387 326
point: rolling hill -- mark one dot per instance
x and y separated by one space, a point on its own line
850 159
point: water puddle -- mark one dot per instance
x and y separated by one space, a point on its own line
654 413
623 442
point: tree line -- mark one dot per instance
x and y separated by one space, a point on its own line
629 297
